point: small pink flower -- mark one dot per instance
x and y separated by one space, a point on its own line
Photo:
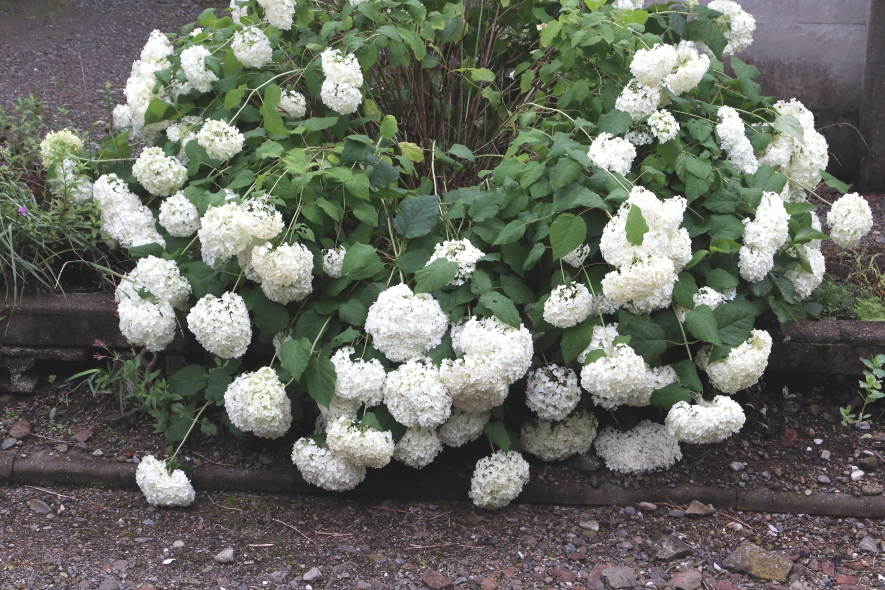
97 357
23 210
99 343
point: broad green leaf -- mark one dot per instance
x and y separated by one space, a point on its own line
294 355
722 245
834 182
511 232
565 172
388 127
383 175
575 340
636 226
482 75
435 275
234 98
462 151
361 261
354 312
701 323
574 195
735 320
316 124
417 216
687 371
667 397
502 307
684 290
411 262
497 433
412 151
269 149
272 121
359 187
567 232
320 373
145 250
270 316
646 338
188 381
791 126
720 279
615 122
217 385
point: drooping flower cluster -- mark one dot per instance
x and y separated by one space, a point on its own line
161 488
341 88
155 280
645 447
230 229
742 368
279 13
251 47
552 392
66 181
568 305
59 145
800 161
612 154
735 23
735 142
689 69
360 445
220 140
292 104
663 126
257 402
763 237
638 100
285 272
140 86
194 67
463 427
161 175
358 379
497 480
651 66
415 395
850 219
333 259
418 447
123 217
179 216
555 441
221 324
321 467
462 252
705 422
405 325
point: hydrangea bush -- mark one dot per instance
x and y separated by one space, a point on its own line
523 218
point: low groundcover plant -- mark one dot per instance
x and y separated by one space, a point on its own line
499 217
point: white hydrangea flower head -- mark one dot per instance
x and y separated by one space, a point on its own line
220 140
279 13
497 480
705 422
286 272
251 47
555 441
257 402
341 98
763 236
58 145
195 70
809 156
568 305
509 347
179 216
552 392
476 382
333 259
849 220
638 100
231 229
651 66
663 126
463 427
321 467
418 447
122 117
358 379
161 488
615 377
706 296
734 141
462 252
292 105
642 286
161 175
261 219
806 282
340 68
157 49
183 131
735 23
628 4
360 445
603 339
123 217
67 182
146 323
646 447
338 407
742 368
612 154
576 257
691 65
755 263
779 152
415 395
221 324
405 325
161 278
638 135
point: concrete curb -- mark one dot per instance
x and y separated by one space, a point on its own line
43 468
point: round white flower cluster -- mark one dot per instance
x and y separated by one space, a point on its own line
415 395
161 488
257 402
279 13
552 392
182 132
251 47
735 23
801 161
418 447
139 89
734 141
628 4
292 104
639 134
645 447
405 325
231 229
67 182
651 66
576 257
358 379
158 277
763 236
706 296
497 480
147 323
179 216
360 445
195 70
161 175
555 441
463 427
285 273
690 68
705 422
59 145
612 154
638 100
220 140
642 286
742 368
340 90
806 282
462 252
123 217
333 259
850 219
663 126
475 383
321 467
568 305
221 325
